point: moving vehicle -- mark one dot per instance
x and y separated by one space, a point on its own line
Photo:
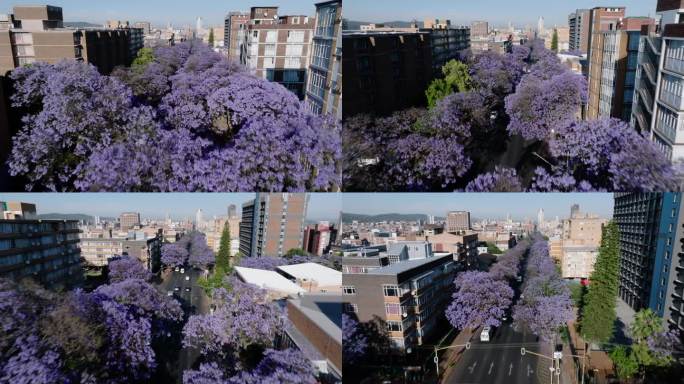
176 288
169 293
182 270
187 278
177 269
486 333
187 289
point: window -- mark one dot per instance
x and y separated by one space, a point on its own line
351 308
349 290
294 50
394 326
393 309
295 36
271 36
390 290
270 50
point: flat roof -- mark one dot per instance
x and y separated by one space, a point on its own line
324 309
269 280
312 271
408 265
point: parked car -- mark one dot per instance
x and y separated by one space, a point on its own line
182 270
187 289
177 269
176 288
169 293
187 278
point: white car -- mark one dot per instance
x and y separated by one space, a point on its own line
187 278
485 334
177 269
182 270
169 293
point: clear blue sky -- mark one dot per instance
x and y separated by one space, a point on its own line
497 12
481 205
322 206
160 12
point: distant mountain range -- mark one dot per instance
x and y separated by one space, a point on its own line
356 25
349 217
81 24
67 216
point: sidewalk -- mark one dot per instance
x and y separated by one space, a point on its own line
597 361
453 355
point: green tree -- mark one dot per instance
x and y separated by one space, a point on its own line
223 256
145 56
625 364
456 79
236 259
211 37
214 281
295 252
554 41
598 313
493 249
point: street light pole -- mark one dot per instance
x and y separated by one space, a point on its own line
436 360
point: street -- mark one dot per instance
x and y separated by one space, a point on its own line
500 360
193 302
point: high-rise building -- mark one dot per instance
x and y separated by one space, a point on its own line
234 33
578 244
385 71
44 250
578 23
409 297
146 26
128 220
232 211
272 224
324 87
540 27
540 218
612 69
37 34
277 48
574 210
447 42
658 106
318 238
602 19
651 260
199 220
479 29
457 221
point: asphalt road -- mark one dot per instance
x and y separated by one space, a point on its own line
194 301
500 360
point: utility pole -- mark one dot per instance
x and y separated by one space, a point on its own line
437 349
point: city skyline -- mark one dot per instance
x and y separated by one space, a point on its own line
481 206
322 206
519 13
160 12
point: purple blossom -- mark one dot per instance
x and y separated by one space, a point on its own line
242 318
288 366
126 267
501 180
200 255
174 254
272 263
354 342
479 300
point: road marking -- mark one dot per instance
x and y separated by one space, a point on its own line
529 370
472 368
510 369
490 368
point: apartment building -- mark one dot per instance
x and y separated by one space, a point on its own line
578 24
96 252
324 86
463 245
385 71
651 265
234 33
277 48
128 220
409 297
612 69
272 224
457 221
36 34
17 210
363 260
479 29
46 251
448 42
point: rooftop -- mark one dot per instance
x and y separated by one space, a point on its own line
312 271
325 310
404 266
269 280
